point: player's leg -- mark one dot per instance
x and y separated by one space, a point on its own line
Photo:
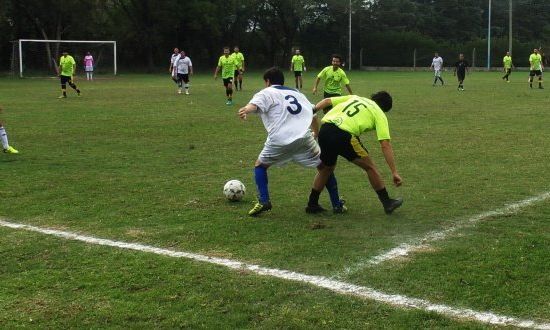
92 74
63 81
531 75
540 80
186 83
377 183
435 78
5 145
179 82
441 79
240 80
229 90
301 81
296 79
73 86
260 177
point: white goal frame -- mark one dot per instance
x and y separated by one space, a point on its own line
21 41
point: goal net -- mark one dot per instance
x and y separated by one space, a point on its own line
35 58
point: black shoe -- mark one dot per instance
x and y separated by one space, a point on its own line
392 204
340 209
540 87
313 209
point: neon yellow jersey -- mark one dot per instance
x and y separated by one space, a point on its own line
333 79
507 61
297 63
228 66
355 115
66 63
239 59
536 61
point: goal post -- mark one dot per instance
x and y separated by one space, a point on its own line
51 60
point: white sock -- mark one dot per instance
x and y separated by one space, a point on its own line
187 87
4 138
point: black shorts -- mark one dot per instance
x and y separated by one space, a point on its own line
184 77
336 142
533 73
227 81
508 71
64 79
327 95
297 73
461 76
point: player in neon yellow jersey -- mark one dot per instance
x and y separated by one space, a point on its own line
339 136
507 64
334 77
227 65
297 65
4 139
535 61
66 69
239 59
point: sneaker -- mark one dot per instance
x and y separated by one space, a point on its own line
62 97
186 92
340 209
313 209
259 208
11 150
229 102
179 91
393 204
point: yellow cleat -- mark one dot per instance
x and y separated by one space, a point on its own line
259 208
11 150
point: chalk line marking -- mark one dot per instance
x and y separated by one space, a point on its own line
423 243
318 281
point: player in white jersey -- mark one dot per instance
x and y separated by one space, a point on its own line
184 67
287 116
437 65
172 69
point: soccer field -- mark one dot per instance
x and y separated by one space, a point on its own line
131 161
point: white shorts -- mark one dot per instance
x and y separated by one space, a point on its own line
89 68
304 151
437 73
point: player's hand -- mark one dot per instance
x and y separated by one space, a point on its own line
397 181
314 90
242 113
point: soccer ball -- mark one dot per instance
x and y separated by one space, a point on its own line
234 190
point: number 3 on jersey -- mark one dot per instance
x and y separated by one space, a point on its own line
294 102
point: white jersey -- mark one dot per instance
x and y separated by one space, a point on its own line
173 60
437 63
285 112
183 65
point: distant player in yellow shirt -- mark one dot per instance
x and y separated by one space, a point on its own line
508 65
298 64
334 77
227 65
239 60
67 68
339 136
536 67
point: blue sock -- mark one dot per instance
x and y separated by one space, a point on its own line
260 175
332 187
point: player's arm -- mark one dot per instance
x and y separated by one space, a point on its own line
348 87
316 84
315 126
322 105
216 72
304 66
387 150
291 65
246 110
242 68
191 69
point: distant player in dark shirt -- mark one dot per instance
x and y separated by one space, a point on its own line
461 68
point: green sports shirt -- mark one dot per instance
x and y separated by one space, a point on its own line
66 64
239 59
507 61
228 65
536 61
355 115
297 63
333 79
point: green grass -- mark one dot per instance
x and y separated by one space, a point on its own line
133 161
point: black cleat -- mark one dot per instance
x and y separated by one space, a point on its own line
392 204
314 209
340 209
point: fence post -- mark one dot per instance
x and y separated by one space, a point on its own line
474 58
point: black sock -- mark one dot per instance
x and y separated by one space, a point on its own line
240 84
313 197
442 83
78 91
383 195
435 80
64 93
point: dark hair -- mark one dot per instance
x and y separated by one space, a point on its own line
338 56
275 76
226 47
383 99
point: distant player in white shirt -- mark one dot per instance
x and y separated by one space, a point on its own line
172 69
437 65
184 68
287 116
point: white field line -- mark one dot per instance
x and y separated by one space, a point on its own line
318 281
423 243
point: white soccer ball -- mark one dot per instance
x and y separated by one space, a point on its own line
234 190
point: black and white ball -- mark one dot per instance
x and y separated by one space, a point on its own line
234 190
